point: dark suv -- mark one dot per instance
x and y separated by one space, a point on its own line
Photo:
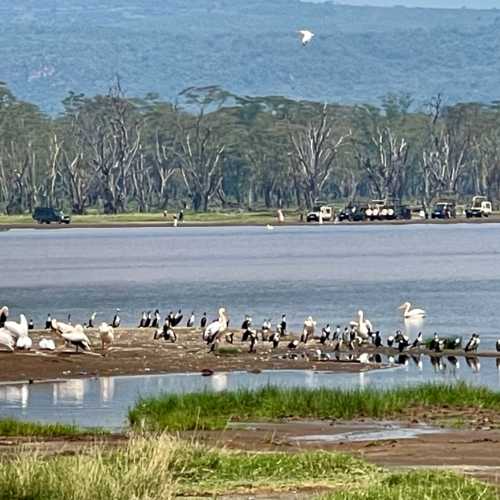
46 215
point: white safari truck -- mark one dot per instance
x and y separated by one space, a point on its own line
480 207
321 213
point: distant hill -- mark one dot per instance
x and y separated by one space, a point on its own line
249 47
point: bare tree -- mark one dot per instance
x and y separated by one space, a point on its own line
201 160
313 156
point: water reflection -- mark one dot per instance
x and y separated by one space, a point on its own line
71 392
15 395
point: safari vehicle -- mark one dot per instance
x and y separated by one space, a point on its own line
381 210
480 207
444 210
353 212
46 215
323 212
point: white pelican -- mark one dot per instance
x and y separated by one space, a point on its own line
24 342
4 314
269 227
305 36
309 325
363 326
216 328
6 339
47 345
409 313
17 329
107 334
73 335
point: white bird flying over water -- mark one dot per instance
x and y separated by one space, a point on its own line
409 313
305 36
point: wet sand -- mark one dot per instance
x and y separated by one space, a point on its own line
134 352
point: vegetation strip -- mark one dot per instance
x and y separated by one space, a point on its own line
10 427
161 466
212 411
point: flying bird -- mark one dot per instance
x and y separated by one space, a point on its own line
305 36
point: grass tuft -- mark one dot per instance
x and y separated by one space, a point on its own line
10 427
212 411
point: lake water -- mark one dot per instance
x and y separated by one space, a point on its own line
105 401
329 272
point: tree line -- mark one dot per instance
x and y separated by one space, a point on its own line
213 149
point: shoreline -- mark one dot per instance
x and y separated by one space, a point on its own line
213 224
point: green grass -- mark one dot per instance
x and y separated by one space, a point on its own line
426 485
10 427
164 467
210 411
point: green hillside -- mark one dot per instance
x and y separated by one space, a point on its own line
248 47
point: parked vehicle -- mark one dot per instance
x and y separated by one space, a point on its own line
46 215
480 207
323 212
380 210
353 213
444 210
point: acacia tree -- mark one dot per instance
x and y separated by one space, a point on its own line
200 155
313 156
386 167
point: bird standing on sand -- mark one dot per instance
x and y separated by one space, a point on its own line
116 319
309 326
156 320
4 315
215 329
191 320
92 319
473 343
305 36
418 341
107 334
283 325
147 324
203 321
363 326
498 345
48 322
72 335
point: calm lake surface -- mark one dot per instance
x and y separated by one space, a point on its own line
105 401
452 271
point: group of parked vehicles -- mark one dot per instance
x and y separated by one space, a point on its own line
381 210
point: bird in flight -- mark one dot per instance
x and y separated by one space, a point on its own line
305 36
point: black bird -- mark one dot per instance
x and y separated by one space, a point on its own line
4 314
142 322
31 325
246 323
390 341
116 319
498 345
473 343
377 339
177 318
190 321
293 344
336 333
48 322
418 341
283 325
203 321
436 343
253 342
92 319
246 335
325 334
147 323
276 340
156 320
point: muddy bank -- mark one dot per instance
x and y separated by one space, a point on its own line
134 352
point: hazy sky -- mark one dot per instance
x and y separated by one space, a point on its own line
452 4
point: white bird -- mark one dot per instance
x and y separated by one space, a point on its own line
73 335
107 334
308 331
363 326
305 36
214 329
6 339
17 329
269 227
409 313
47 344
24 342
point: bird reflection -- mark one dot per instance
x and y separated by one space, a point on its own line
473 363
454 363
417 359
402 359
219 382
437 363
69 392
107 388
15 394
